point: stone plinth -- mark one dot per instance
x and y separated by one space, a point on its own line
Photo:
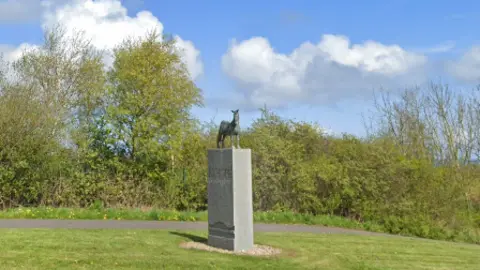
230 207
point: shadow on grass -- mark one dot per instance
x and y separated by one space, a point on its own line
192 237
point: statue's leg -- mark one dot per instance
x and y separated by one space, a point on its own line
223 141
232 141
238 141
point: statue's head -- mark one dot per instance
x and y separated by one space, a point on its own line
236 116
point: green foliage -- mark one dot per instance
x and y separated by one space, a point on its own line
76 133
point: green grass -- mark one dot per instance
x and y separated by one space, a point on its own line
156 249
97 212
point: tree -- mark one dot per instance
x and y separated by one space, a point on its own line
49 97
437 123
67 75
151 94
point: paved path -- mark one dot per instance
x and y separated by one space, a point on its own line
165 225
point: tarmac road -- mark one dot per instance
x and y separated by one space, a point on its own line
166 225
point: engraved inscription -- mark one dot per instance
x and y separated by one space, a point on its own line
220 195
219 173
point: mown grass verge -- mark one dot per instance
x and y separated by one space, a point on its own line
469 235
154 249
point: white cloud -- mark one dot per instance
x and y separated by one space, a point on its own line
11 53
326 71
467 68
191 56
444 47
20 10
106 23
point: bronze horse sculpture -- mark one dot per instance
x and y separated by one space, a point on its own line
231 129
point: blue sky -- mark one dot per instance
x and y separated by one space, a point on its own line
440 31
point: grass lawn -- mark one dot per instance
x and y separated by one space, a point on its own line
154 249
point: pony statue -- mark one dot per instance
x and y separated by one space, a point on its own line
231 129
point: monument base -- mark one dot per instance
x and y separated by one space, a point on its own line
230 206
221 242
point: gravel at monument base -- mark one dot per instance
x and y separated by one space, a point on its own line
257 250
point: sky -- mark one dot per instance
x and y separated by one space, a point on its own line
317 61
